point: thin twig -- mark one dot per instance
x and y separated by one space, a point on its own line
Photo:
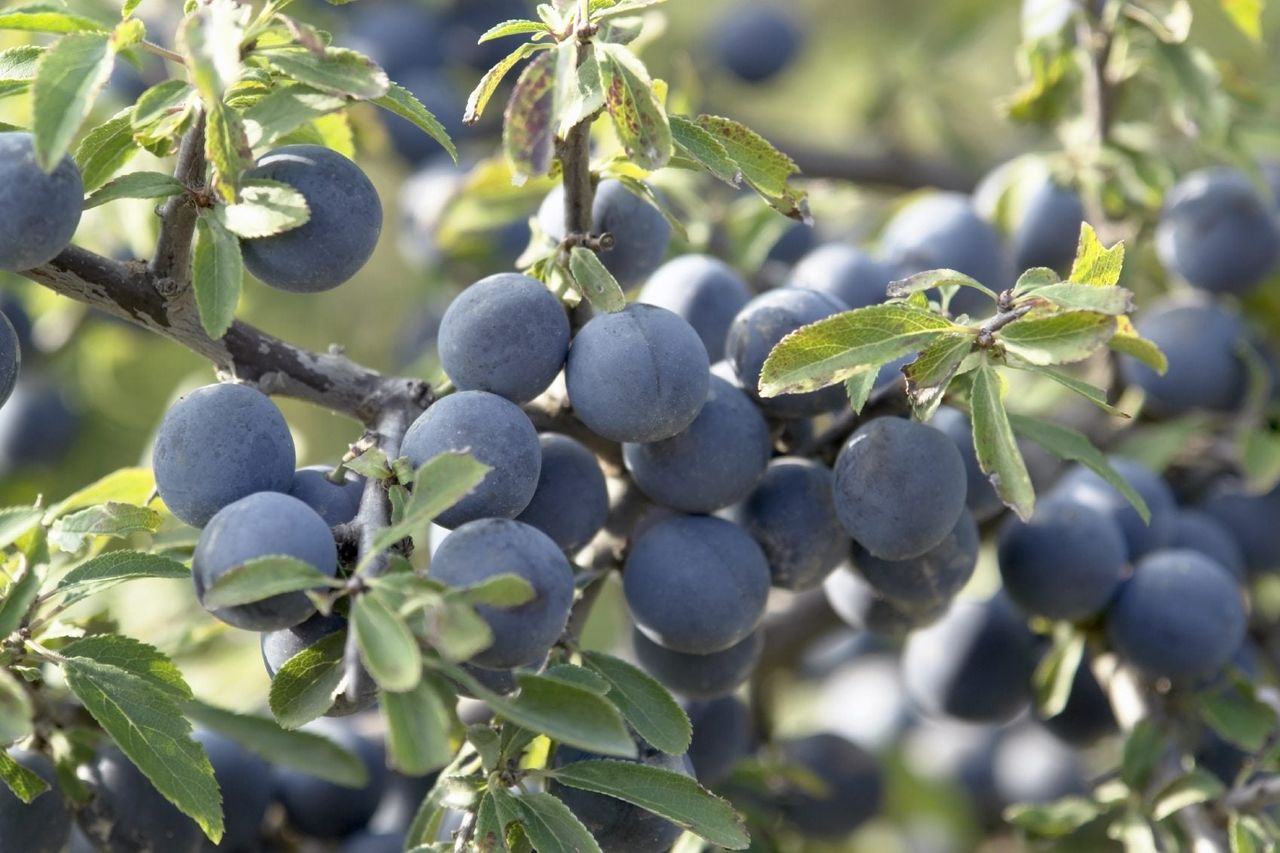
164 52
178 217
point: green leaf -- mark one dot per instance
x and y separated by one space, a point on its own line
699 145
418 726
929 375
16 522
226 145
930 279
859 386
24 784
552 827
1092 393
68 78
440 483
1068 444
308 753
146 723
284 110
1142 750
337 71
130 655
639 120
1057 819
645 704
47 18
1191 788
993 440
136 185
674 796
217 274
564 712
19 595
304 687
210 39
836 348
1096 265
105 150
506 590
372 464
125 485
595 282
1056 672
765 167
128 7
1246 15
1238 718
528 128
16 711
579 94
161 114
480 95
514 27
1102 300
265 208
402 102
387 646
21 62
1058 338
490 830
264 577
113 519
579 676
1127 340
456 631
1246 834
1034 279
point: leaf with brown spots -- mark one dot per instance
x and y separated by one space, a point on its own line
638 117
528 134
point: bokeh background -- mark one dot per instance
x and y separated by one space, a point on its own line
898 94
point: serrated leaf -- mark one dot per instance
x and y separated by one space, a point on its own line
1056 672
700 146
308 753
1092 393
418 726
514 27
490 830
47 18
639 119
528 126
455 630
69 77
552 827
136 185
1034 279
263 577
149 727
1238 718
859 386
1073 446
402 102
836 348
765 167
24 784
930 279
117 520
284 110
579 676
674 796
997 451
161 114
1061 338
338 71
1191 788
1142 749
480 95
595 282
217 274
1096 265
16 522
438 484
1127 340
1052 820
133 656
116 567
372 464
16 711
929 375
645 703
226 146
105 150
387 646
564 712
20 63
265 208
304 687
1103 300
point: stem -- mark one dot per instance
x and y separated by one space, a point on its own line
465 831
152 47
1099 101
1255 796
178 217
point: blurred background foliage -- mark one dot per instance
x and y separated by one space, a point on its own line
898 87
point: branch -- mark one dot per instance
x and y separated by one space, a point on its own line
178 217
1256 796
898 170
